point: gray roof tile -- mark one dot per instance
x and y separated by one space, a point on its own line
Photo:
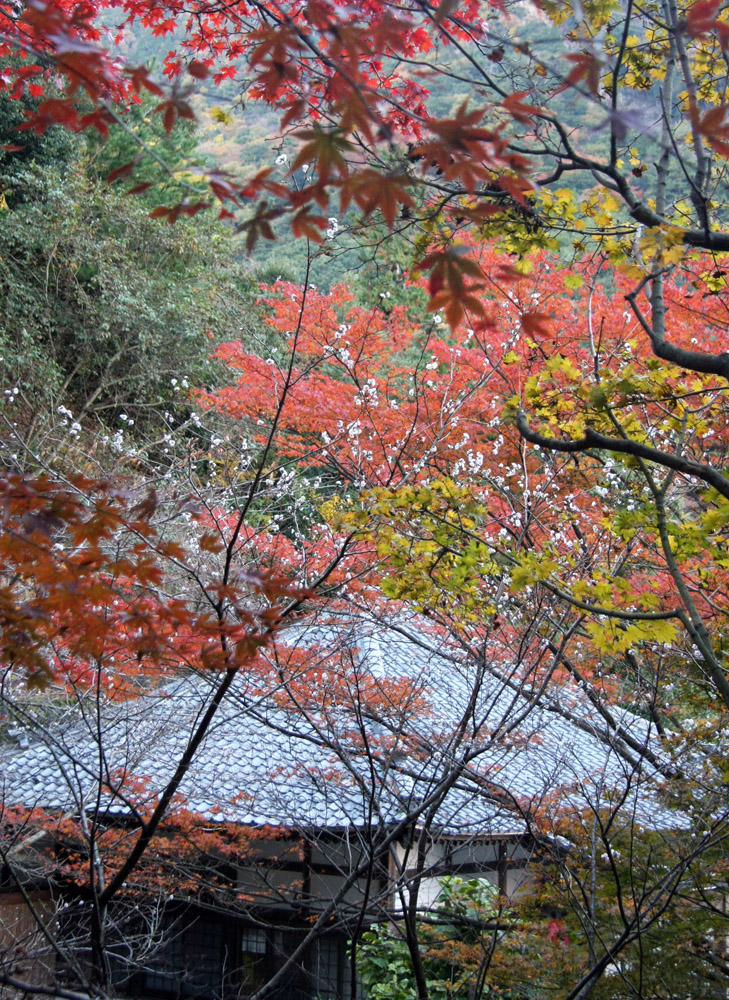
260 764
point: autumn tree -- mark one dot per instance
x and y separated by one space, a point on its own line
524 557
613 499
380 430
112 589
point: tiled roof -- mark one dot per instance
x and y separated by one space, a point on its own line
262 764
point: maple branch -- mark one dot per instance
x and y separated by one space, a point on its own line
153 155
692 621
617 735
614 735
700 181
593 439
656 900
389 838
37 989
253 489
432 14
595 609
697 361
639 210
691 618
616 77
150 827
40 923
668 140
333 65
642 213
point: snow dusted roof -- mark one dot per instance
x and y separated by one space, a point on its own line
479 748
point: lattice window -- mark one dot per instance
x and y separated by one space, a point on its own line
189 962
